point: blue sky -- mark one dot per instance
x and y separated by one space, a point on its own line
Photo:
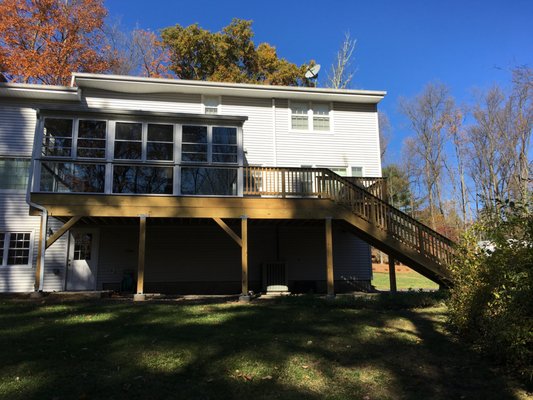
401 45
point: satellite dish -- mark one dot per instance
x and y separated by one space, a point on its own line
312 72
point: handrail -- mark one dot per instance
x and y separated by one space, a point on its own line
324 183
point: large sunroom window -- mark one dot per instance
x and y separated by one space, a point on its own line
91 139
57 137
81 155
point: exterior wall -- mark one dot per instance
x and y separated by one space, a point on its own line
17 129
179 259
268 141
353 141
258 140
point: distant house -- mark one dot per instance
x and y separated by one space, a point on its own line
195 187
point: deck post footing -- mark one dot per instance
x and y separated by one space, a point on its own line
139 297
245 298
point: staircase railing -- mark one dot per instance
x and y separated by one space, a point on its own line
324 183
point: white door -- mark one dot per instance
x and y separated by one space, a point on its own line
82 259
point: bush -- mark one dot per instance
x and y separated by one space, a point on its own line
491 303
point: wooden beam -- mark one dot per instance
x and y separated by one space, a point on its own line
392 273
228 230
142 253
329 259
244 255
61 231
40 252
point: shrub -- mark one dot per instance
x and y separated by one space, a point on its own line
491 303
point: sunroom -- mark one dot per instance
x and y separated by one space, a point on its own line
138 153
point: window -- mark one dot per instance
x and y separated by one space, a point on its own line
357 171
339 170
209 181
211 104
57 137
160 143
91 139
310 116
194 143
224 145
15 248
299 116
128 141
320 117
72 177
137 157
142 179
14 173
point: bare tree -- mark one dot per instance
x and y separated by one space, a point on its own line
499 142
457 171
385 129
427 114
138 52
342 71
521 105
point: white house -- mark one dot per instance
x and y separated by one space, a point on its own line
193 187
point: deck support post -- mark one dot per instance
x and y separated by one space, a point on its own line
329 260
38 285
245 297
392 274
140 296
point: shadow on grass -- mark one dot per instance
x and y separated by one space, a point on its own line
286 349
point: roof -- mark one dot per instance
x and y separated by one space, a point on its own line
39 92
133 84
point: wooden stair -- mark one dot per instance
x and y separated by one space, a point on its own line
362 212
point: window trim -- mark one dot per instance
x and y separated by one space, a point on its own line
5 246
310 115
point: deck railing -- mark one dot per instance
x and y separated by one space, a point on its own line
323 183
375 185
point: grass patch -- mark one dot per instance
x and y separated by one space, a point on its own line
291 348
404 281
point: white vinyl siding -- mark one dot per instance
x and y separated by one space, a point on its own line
14 217
17 129
258 140
352 141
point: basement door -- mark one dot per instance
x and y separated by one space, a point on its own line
82 259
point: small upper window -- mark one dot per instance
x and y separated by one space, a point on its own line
320 117
211 104
299 117
310 116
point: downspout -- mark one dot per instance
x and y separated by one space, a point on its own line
274 143
44 212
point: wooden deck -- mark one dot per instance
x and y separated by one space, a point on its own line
286 194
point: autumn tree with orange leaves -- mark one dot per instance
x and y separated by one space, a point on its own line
44 41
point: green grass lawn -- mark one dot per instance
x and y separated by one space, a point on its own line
294 348
404 281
